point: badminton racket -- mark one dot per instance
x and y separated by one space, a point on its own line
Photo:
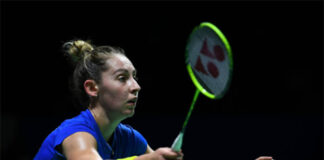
209 62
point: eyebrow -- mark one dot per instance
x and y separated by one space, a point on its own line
124 70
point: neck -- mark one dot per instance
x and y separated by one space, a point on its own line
106 124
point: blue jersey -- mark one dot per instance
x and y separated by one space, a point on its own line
126 140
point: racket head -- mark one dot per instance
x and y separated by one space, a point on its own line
209 60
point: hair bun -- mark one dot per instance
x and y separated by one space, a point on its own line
77 49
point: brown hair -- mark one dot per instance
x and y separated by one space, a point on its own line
88 61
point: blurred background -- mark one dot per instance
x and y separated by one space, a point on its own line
274 105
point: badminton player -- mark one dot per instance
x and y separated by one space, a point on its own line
104 79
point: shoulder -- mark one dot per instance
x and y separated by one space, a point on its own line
52 145
127 129
80 123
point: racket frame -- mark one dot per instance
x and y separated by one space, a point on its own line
229 54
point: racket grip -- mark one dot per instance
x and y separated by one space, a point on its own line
177 143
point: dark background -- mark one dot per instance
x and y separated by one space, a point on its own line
274 105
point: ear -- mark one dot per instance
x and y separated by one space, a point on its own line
91 87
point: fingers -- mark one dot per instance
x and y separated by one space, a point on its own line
169 154
179 155
265 158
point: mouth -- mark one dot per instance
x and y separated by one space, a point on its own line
132 101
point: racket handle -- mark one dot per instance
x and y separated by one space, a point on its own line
177 143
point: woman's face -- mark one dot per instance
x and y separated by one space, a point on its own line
118 89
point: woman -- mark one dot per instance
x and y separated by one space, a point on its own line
105 81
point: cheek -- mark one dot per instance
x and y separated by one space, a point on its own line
112 95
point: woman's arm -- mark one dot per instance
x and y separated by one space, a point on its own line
264 158
160 154
164 153
80 146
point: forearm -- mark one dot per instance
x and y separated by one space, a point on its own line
85 155
159 154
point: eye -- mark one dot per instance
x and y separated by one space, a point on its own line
135 77
122 78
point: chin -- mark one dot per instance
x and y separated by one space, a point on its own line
129 113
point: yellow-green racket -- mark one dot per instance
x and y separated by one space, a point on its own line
210 64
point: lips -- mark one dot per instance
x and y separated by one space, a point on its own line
132 101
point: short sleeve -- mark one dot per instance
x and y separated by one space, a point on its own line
50 150
65 131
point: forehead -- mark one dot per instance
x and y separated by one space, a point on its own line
118 62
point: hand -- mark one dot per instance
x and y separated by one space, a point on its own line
169 154
162 154
264 158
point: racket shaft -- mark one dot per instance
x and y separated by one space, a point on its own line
177 143
190 110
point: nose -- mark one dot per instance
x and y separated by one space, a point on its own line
135 87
